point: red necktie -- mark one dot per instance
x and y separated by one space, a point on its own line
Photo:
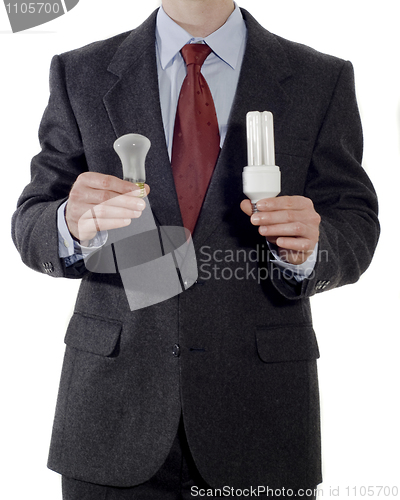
195 147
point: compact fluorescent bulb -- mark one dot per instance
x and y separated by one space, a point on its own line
261 178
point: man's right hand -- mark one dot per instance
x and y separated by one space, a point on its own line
98 202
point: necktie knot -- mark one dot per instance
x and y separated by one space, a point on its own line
195 53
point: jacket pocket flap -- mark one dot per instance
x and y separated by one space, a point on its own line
93 334
288 343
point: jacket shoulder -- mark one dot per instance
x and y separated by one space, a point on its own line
303 56
100 51
297 58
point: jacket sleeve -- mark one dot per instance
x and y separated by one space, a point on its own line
53 171
343 196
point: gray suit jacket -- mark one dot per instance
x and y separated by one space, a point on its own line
245 379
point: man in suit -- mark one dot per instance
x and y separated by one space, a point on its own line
216 387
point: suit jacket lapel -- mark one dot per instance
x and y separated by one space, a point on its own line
133 106
260 87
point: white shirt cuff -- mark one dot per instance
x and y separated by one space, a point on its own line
298 272
67 246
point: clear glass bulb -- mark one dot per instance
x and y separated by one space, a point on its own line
132 150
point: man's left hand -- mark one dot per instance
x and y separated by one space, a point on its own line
290 222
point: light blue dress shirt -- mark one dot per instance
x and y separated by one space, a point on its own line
221 70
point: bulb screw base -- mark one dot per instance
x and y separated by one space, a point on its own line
254 208
142 193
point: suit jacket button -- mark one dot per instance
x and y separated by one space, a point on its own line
176 350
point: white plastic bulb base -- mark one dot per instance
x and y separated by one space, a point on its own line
261 181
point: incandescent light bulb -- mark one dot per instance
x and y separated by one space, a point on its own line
132 150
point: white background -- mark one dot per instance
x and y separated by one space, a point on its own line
357 326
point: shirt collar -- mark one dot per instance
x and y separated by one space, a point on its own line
225 42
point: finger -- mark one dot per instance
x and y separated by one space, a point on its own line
303 246
124 201
294 229
112 212
284 203
278 217
294 245
293 256
111 207
105 182
246 207
142 191
103 211
87 228
93 188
